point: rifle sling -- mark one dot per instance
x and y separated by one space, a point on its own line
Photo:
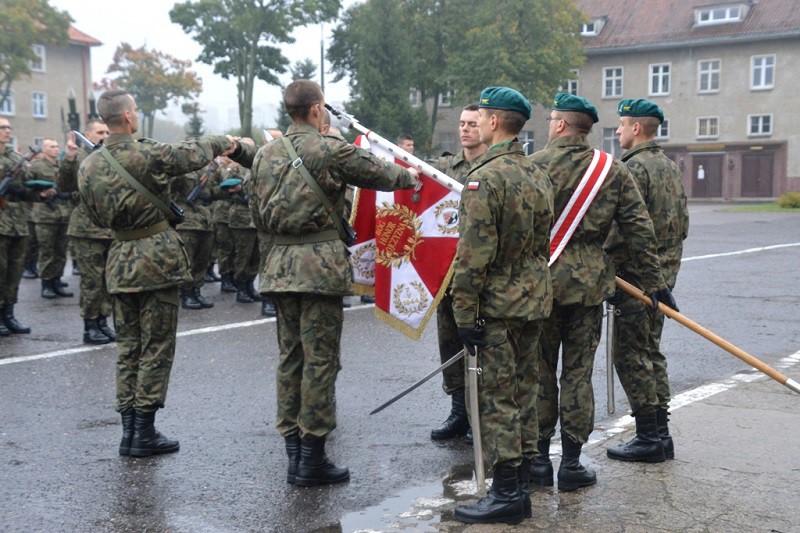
133 182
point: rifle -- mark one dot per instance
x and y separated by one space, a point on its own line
8 180
201 183
84 141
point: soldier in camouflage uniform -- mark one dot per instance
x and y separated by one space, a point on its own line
307 271
457 166
501 293
583 277
245 239
641 366
13 233
91 244
50 220
146 262
223 238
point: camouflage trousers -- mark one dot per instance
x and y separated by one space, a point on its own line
12 259
449 345
52 240
198 246
32 253
641 367
146 324
309 335
224 243
245 254
91 256
507 389
576 330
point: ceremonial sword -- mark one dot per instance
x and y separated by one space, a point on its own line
441 367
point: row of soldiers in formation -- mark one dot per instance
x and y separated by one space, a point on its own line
504 301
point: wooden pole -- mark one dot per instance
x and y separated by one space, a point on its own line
716 339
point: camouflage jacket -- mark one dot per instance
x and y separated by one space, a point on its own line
661 185
286 205
198 215
583 273
239 216
500 269
454 166
13 208
80 225
57 210
158 261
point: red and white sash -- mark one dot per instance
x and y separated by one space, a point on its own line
579 203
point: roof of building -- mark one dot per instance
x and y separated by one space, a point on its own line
632 24
76 36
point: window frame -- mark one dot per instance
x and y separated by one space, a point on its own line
42 57
661 76
761 124
12 104
753 86
446 98
621 82
659 132
616 149
414 97
700 89
43 113
707 136
527 136
727 18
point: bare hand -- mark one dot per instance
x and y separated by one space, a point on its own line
71 147
414 172
48 193
235 189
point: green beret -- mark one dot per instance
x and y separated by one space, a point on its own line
505 98
39 184
639 108
570 102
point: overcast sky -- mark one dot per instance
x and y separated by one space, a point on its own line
147 22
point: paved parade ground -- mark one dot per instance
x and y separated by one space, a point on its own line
736 432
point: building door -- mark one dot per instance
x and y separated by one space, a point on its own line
757 175
707 176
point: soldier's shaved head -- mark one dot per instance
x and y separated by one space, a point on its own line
300 96
112 106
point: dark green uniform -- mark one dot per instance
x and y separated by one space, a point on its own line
50 220
641 366
307 271
501 275
147 261
583 276
223 239
245 238
196 230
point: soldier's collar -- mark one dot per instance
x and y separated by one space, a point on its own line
648 145
569 140
118 138
301 128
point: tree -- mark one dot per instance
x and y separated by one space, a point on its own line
241 38
153 78
25 23
303 69
195 125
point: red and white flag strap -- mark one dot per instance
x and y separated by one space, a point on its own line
579 203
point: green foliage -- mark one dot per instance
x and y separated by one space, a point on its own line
25 23
194 127
242 38
790 200
153 78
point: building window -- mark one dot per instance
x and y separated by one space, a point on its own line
663 130
570 86
611 142
592 28
446 98
759 125
612 82
39 105
8 104
707 127
13 143
708 75
414 97
659 79
763 72
38 141
447 142
708 16
526 138
38 65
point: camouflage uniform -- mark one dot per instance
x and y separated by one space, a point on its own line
641 366
245 238
91 244
223 239
307 271
147 261
501 275
457 168
583 277
195 230
50 220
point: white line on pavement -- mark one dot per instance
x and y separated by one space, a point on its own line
740 252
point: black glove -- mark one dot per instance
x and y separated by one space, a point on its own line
617 298
665 297
472 337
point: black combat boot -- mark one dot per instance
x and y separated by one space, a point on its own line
503 503
645 447
315 468
146 440
58 287
211 276
662 419
542 466
524 485
48 292
92 333
188 301
29 271
227 283
4 331
242 294
128 417
293 451
268 307
572 475
11 322
61 283
457 423
102 325
251 290
202 300
367 299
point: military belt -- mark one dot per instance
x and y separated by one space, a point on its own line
321 236
140 233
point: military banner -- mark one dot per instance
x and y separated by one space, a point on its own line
406 242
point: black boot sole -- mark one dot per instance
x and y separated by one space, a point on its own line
147 452
124 451
86 340
314 482
631 459
571 486
510 520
